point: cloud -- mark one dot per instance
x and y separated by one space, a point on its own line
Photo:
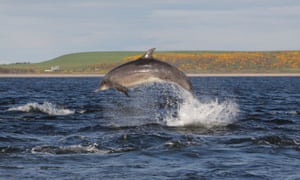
41 30
240 28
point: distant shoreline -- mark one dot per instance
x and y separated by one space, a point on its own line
48 75
189 75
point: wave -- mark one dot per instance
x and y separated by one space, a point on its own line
73 149
271 140
193 112
46 107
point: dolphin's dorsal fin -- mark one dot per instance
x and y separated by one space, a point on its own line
148 54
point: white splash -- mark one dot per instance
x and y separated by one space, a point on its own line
46 107
192 112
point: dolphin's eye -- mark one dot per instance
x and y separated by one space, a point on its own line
103 82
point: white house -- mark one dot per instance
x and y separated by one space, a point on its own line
53 69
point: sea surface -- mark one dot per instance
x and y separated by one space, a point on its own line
231 128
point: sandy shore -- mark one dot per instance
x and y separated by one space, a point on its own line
190 75
48 75
245 75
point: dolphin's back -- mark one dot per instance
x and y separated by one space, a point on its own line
145 70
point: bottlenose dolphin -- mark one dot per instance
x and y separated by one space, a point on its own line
145 69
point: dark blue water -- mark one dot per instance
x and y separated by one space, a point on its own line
235 128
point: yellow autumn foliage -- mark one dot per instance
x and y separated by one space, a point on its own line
281 61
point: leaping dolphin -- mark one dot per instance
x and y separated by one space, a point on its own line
144 70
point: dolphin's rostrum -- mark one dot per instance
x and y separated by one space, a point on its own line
146 69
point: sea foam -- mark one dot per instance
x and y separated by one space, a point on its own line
46 107
192 112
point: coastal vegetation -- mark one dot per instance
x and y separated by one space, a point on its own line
188 61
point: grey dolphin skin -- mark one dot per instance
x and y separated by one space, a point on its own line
146 69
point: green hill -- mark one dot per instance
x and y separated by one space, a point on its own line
85 62
188 61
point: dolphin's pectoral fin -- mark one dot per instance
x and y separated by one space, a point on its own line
125 91
122 89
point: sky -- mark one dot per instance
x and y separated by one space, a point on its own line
35 30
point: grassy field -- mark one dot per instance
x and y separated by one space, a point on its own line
84 62
75 62
188 61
